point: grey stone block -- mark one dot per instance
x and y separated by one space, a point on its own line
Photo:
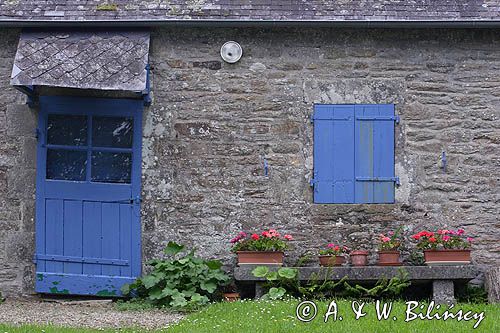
21 120
443 291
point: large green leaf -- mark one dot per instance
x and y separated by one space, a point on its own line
149 281
276 293
272 276
155 294
199 299
214 264
208 286
260 271
173 248
287 273
178 301
125 289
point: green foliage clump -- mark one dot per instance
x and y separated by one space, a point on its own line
182 282
286 282
1 298
279 282
470 294
384 288
134 304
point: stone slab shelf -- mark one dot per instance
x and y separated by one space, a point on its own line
443 278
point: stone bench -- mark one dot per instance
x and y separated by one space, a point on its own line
443 278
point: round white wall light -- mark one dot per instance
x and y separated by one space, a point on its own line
231 52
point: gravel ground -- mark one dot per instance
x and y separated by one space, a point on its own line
91 314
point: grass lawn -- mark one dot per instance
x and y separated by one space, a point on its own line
276 317
280 316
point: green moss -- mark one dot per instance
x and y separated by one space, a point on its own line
54 290
107 7
106 293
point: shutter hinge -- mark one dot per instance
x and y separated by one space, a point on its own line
313 179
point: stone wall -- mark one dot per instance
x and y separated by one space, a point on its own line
212 124
17 178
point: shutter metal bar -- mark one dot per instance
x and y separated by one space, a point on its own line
379 179
381 118
85 260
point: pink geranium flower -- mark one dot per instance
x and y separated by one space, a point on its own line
288 237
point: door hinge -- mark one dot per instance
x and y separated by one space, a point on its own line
137 200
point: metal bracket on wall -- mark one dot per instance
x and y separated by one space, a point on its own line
146 93
29 91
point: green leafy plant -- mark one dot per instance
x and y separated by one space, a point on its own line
135 304
333 250
390 242
470 294
384 288
285 281
269 240
416 258
182 282
278 281
304 259
1 298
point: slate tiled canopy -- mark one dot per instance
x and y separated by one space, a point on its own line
252 10
106 60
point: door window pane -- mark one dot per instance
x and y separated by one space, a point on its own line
109 167
67 130
114 132
66 164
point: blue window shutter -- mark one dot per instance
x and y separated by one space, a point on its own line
333 154
374 156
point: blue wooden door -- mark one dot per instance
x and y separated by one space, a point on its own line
88 195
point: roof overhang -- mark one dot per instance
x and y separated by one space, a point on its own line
111 60
252 23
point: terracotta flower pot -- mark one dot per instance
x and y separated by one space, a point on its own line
388 258
447 257
260 257
359 258
231 297
329 260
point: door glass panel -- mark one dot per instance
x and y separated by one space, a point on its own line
67 130
66 164
110 167
114 132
